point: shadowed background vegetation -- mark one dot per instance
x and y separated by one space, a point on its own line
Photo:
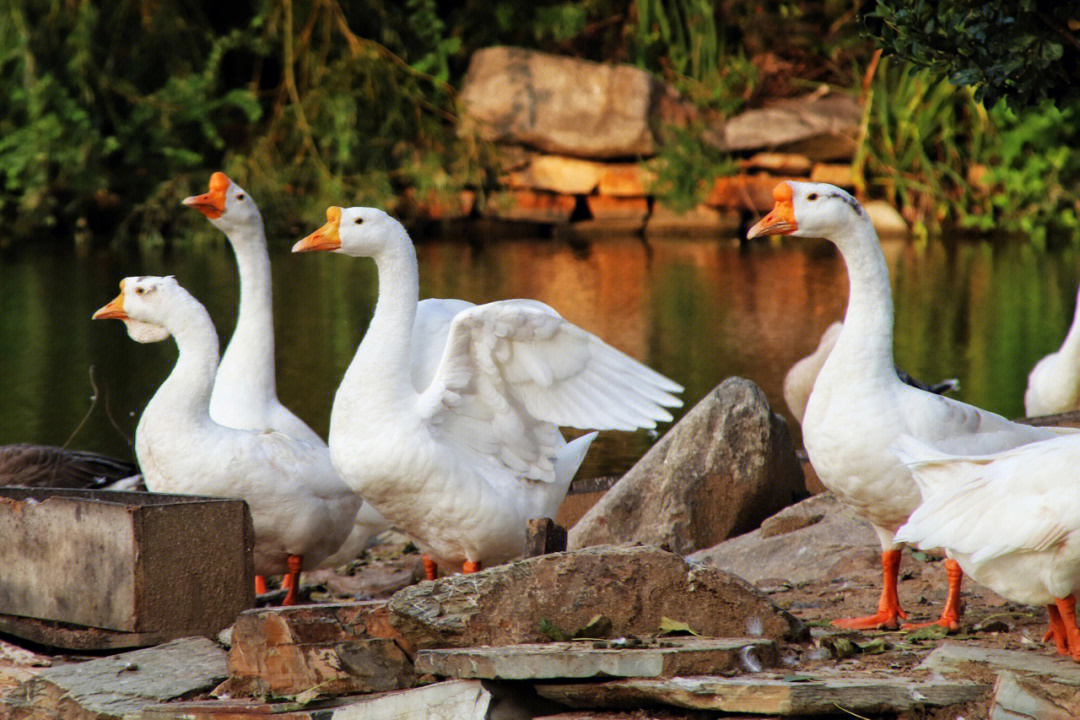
115 111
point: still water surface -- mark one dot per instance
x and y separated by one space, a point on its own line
696 310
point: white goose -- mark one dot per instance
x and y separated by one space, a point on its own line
1054 383
301 510
463 462
1012 521
859 406
245 388
799 380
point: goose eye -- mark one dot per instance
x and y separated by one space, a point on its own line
240 196
140 291
359 221
812 196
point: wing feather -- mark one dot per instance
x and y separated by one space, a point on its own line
512 371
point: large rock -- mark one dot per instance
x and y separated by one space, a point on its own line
573 107
806 542
635 587
821 128
726 466
119 686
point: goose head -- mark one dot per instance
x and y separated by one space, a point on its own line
356 231
144 304
805 209
226 205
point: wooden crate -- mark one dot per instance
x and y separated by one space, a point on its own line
161 565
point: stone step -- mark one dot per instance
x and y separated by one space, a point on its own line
665 657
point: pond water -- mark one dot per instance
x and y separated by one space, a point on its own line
696 310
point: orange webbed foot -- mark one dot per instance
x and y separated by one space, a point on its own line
889 619
950 615
470 567
1066 607
889 614
1057 631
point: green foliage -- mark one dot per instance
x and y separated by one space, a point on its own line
1021 50
680 33
686 167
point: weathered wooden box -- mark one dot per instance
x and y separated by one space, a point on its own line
164 565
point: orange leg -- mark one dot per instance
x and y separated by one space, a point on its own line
1067 608
950 615
286 582
888 613
1057 631
296 562
470 567
431 570
260 584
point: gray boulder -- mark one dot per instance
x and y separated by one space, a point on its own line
573 107
819 127
726 466
814 539
634 587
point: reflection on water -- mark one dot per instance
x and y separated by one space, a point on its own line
698 311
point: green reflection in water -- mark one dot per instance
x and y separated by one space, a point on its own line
698 311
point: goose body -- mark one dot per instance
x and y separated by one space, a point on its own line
1054 383
301 510
30 465
1011 520
245 386
458 444
799 381
859 406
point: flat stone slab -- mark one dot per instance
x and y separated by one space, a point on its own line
122 685
771 694
664 658
456 700
953 658
1023 697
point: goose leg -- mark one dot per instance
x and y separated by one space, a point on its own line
470 567
260 584
888 613
1067 607
296 562
1057 631
950 615
431 570
286 582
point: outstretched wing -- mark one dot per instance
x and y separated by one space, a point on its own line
512 371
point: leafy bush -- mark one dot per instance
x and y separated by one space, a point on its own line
1021 50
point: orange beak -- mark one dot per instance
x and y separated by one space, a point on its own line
211 204
781 221
114 310
326 237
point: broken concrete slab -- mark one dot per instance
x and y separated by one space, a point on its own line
337 648
17 665
1018 697
665 657
965 660
119 686
727 465
633 586
771 694
822 534
148 571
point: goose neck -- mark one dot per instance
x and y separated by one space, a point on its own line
867 338
249 357
184 397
